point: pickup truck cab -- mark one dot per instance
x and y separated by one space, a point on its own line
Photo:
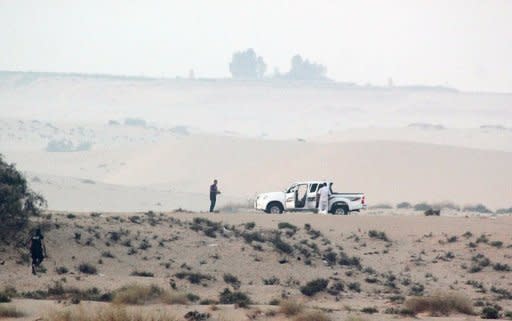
302 196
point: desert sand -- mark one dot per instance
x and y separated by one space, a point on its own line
132 151
418 254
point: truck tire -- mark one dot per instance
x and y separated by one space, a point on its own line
274 208
340 210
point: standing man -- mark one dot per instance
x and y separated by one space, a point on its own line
37 249
323 199
214 190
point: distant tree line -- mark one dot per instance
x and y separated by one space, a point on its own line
248 65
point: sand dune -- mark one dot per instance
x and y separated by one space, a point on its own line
386 171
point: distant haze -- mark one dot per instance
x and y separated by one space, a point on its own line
463 44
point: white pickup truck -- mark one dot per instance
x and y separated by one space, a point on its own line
302 196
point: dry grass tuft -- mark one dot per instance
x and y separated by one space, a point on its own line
313 315
440 304
10 312
142 294
355 318
290 308
111 313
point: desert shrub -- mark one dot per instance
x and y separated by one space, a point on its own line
482 239
467 234
107 254
239 298
378 235
271 281
432 212
502 293
87 268
312 315
142 294
475 268
452 239
490 312
249 237
137 122
501 267
349 261
404 205
504 211
4 297
497 244
10 312
142 274
144 245
18 202
192 277
283 225
197 316
480 260
354 286
479 208
330 258
313 287
508 315
193 297
249 225
417 289
422 207
233 280
479 286
369 310
336 288
209 228
57 291
440 304
381 207
281 245
61 270
290 308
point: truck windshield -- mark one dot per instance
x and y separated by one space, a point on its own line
291 189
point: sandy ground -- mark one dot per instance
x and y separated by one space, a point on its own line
416 253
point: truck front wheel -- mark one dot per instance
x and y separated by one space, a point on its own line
274 208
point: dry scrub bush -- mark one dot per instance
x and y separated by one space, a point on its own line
289 307
111 313
440 304
142 294
10 312
313 315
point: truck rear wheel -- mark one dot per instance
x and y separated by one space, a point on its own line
340 210
274 208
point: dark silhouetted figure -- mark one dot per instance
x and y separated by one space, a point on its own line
37 249
214 191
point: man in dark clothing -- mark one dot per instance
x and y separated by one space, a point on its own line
213 195
37 249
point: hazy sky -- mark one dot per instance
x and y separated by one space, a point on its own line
466 44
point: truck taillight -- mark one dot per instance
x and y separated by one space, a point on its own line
363 200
